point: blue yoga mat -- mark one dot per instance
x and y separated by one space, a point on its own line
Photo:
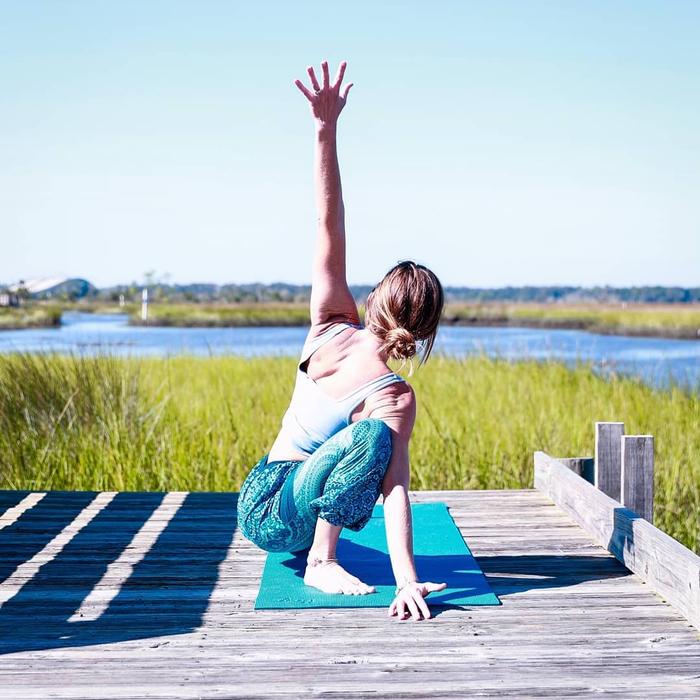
439 551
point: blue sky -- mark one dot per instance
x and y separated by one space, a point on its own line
497 142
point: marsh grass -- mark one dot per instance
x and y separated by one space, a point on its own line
30 316
224 315
672 320
200 423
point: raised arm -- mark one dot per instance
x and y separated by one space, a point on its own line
331 299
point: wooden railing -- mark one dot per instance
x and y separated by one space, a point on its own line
611 496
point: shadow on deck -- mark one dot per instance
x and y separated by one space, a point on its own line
165 591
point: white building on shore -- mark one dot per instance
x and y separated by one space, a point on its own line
50 287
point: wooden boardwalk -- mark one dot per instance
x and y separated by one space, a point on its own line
134 595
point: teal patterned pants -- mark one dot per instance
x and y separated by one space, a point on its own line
340 482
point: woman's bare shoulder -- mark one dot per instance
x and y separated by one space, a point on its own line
396 406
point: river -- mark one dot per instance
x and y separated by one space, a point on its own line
657 361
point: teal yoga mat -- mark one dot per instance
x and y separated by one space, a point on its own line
439 551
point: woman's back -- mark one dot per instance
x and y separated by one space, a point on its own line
340 380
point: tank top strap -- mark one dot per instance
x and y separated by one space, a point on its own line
310 346
353 400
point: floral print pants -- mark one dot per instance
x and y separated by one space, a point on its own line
340 482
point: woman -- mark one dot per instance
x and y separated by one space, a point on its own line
344 438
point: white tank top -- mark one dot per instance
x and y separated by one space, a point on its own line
313 416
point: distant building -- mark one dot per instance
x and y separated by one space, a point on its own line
51 287
7 298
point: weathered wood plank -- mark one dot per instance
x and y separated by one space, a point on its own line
55 546
607 466
637 454
15 512
670 569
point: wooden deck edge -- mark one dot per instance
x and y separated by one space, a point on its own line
669 568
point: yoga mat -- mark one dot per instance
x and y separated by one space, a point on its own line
440 555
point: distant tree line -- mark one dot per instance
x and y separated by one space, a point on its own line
283 292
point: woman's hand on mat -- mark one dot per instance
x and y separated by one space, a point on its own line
327 100
411 600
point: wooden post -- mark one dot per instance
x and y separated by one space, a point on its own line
583 466
637 457
144 304
608 463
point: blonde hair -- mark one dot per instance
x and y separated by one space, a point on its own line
405 308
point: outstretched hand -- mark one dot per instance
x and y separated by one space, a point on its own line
410 600
327 100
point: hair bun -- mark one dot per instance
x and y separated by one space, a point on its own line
400 343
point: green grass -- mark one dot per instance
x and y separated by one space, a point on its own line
29 317
201 423
225 315
670 320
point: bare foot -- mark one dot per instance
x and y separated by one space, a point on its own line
332 578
